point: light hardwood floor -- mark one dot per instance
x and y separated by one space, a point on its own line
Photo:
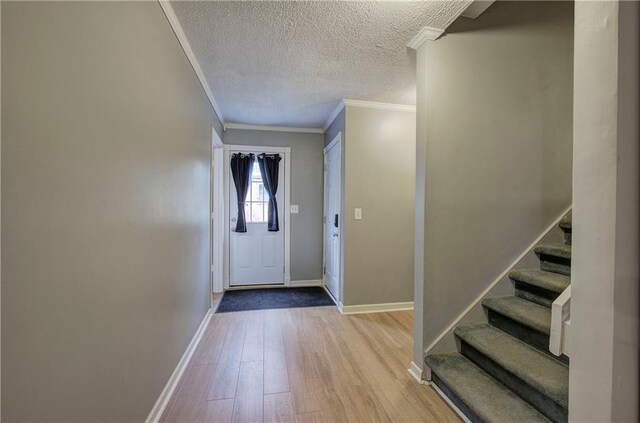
305 365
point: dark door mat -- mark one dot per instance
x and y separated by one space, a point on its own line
270 298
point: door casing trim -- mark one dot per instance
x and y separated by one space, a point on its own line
286 153
337 140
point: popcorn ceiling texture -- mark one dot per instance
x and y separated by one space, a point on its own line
289 63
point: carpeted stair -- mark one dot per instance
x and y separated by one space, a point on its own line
504 371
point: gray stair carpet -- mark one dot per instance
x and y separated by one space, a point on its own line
539 286
565 224
555 250
546 376
488 400
550 281
504 371
525 312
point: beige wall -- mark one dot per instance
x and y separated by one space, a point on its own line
495 126
105 201
306 191
379 156
603 383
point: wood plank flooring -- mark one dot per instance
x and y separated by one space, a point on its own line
305 365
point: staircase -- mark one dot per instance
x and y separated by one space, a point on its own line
504 371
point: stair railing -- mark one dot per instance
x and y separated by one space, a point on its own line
560 324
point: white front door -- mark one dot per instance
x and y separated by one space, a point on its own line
256 256
333 221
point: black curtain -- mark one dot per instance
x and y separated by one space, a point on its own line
269 164
241 167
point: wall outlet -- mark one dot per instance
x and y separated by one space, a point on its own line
294 209
357 215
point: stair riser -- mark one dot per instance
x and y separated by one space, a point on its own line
537 399
454 399
555 264
534 293
524 333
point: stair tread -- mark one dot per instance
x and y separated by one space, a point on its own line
558 250
565 223
535 368
525 312
490 400
550 281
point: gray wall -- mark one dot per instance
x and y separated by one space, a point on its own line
379 155
496 147
306 191
338 125
603 385
105 209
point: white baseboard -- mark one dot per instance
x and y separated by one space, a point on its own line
448 401
312 282
374 308
416 372
172 383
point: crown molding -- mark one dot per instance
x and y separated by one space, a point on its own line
476 8
272 128
378 105
184 43
426 33
333 115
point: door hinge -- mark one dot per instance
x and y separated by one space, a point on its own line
212 215
324 270
212 268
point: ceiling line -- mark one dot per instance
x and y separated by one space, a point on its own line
273 128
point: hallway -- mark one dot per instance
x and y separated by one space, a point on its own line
305 365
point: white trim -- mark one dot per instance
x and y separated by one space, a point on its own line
333 115
184 42
496 280
313 282
337 141
217 217
560 314
448 401
215 139
378 105
426 33
338 304
172 383
476 8
286 152
287 213
272 128
416 372
375 308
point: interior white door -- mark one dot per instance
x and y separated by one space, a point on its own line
256 256
332 220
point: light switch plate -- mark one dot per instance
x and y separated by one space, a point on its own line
357 214
294 209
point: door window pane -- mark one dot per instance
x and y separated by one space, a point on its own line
257 198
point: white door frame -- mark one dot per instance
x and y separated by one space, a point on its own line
286 211
337 140
217 212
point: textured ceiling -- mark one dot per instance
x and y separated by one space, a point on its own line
288 63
